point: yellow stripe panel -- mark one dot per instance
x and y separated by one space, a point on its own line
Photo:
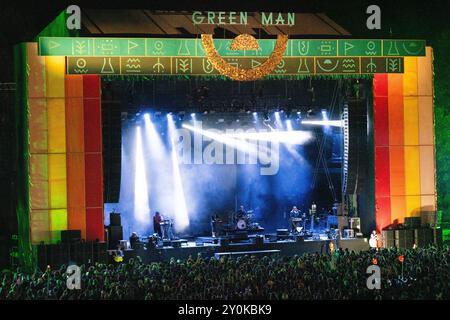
425 73
55 71
56 125
411 121
426 121
58 222
413 206
412 171
57 181
427 170
410 77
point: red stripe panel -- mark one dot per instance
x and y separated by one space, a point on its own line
381 121
91 87
92 125
94 224
380 85
383 213
94 181
382 172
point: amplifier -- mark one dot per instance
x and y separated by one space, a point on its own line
70 236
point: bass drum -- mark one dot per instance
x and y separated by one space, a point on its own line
241 224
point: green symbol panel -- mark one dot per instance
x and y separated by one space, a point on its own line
360 48
202 66
160 47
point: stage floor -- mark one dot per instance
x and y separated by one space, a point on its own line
207 247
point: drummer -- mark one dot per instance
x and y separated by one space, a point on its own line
241 213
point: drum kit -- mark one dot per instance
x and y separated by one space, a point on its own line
245 222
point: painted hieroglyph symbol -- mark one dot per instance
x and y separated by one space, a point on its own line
207 66
158 67
348 65
107 66
80 66
303 66
371 48
413 47
303 47
241 74
327 65
133 65
371 66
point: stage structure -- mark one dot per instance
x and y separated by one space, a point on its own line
60 102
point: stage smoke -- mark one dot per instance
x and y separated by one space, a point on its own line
180 209
141 206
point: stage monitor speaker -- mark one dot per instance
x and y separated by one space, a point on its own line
388 238
282 232
224 242
259 241
114 219
239 236
70 236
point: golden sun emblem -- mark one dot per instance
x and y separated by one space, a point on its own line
244 42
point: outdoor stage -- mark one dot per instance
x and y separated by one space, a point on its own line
208 247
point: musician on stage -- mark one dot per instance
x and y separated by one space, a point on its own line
241 213
134 238
215 220
294 214
157 223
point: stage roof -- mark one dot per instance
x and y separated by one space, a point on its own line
173 24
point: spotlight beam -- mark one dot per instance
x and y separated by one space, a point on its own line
180 207
141 205
325 123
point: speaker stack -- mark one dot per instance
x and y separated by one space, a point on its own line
388 238
114 230
404 238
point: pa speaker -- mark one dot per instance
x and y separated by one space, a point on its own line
388 238
114 219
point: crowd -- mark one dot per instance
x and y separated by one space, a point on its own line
422 273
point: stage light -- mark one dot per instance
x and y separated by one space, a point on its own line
289 125
289 137
193 115
255 113
278 122
180 208
325 123
141 205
